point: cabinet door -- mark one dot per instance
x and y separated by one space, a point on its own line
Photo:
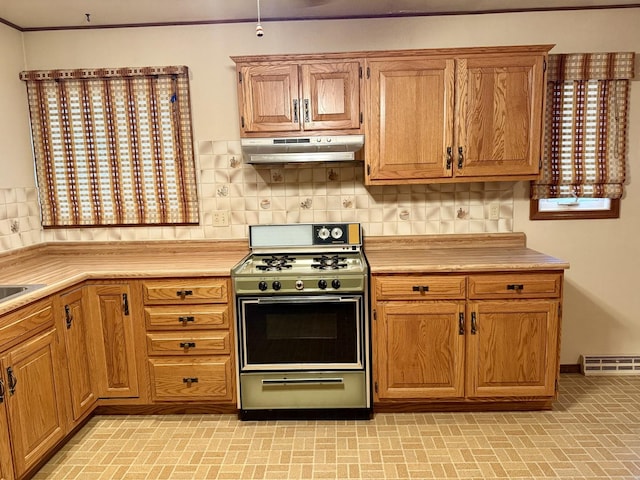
410 127
6 465
113 343
420 350
268 96
35 405
499 115
82 384
512 348
330 96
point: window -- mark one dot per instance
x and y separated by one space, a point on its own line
113 146
584 156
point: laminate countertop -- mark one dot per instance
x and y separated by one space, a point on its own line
456 253
59 266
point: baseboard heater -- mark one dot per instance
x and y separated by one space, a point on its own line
610 365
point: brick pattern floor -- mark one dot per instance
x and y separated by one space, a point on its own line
593 432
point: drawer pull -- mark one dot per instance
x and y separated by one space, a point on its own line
420 288
184 293
460 157
474 325
190 380
461 324
185 320
187 345
449 157
515 286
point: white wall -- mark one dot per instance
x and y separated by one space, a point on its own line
601 302
15 146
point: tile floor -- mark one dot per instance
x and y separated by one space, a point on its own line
592 433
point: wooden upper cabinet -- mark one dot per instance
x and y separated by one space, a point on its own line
289 97
457 115
411 114
268 96
499 116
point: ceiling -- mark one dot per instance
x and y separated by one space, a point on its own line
30 15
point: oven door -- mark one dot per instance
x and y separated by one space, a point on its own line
322 332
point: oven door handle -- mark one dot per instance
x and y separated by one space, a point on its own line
318 299
301 381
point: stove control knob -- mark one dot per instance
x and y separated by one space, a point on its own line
336 233
299 285
335 283
262 286
276 285
322 284
323 233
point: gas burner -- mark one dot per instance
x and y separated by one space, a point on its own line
329 263
276 263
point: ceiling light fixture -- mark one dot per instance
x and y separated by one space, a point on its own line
259 30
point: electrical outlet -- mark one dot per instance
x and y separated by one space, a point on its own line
494 211
221 218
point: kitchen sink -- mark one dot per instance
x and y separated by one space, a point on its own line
10 291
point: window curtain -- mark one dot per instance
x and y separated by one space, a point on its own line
113 146
585 131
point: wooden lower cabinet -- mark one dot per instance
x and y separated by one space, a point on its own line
189 339
435 340
200 378
74 324
113 340
31 373
420 352
512 348
6 463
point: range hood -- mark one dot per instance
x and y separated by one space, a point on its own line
335 148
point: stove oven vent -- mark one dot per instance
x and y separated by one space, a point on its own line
610 365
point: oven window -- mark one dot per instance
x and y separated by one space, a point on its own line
300 332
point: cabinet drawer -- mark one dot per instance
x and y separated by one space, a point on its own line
25 322
185 290
517 285
419 287
189 343
171 317
191 379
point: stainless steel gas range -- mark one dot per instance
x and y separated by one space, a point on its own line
303 336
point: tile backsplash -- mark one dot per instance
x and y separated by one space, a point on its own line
234 195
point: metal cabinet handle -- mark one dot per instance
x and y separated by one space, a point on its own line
125 303
185 320
184 293
420 288
449 157
515 286
13 381
295 110
460 157
187 345
190 380
474 325
67 316
1 391
461 324
307 118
